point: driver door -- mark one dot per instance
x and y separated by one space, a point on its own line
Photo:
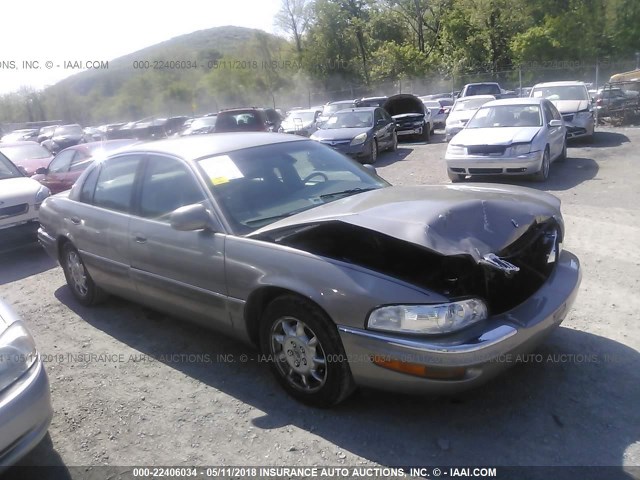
56 177
177 271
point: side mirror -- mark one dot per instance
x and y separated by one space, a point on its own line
368 166
381 121
190 218
42 171
555 123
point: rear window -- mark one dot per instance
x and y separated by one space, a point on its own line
240 121
482 89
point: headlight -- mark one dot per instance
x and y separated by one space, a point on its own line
17 354
428 319
359 139
42 193
520 149
456 150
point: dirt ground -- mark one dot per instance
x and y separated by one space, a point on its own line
133 387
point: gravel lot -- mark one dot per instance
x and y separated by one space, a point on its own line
133 387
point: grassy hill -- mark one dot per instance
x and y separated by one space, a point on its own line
122 91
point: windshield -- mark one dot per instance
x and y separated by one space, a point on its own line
349 119
334 107
260 185
507 116
466 104
203 122
68 130
300 117
564 92
19 153
8 169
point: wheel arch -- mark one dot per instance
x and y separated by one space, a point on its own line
258 301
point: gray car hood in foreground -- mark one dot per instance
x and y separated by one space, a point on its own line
470 219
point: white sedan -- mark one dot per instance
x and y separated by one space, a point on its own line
20 199
515 136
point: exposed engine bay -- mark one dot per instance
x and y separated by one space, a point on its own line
504 279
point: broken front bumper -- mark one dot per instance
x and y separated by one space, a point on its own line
474 355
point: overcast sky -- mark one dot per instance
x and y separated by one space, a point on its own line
74 30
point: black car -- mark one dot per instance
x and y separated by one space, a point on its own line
411 116
65 136
244 120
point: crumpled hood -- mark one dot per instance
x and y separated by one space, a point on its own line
570 106
339 133
496 135
472 219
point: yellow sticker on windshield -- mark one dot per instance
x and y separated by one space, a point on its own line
219 180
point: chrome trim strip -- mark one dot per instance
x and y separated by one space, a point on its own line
486 340
188 286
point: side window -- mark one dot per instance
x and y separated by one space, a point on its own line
167 184
89 186
115 183
555 112
377 116
62 162
80 161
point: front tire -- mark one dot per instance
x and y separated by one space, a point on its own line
543 174
305 352
80 282
373 153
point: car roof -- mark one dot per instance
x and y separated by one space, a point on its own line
471 97
340 101
304 110
515 101
199 146
559 84
18 144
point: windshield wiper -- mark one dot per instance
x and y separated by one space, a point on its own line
253 221
351 191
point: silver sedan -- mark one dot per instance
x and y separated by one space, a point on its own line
516 136
25 401
340 279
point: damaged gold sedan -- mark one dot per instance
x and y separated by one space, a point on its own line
340 279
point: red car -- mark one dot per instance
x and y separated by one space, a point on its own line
27 156
66 166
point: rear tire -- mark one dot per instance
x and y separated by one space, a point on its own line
426 133
394 142
80 282
305 352
563 154
543 174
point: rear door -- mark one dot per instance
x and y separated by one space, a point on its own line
183 272
99 223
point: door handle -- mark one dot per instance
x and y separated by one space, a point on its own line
141 239
75 220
